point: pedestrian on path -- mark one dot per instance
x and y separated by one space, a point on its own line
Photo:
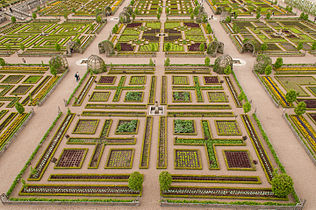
24 61
77 77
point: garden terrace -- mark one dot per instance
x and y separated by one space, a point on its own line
147 8
179 8
28 85
248 7
78 7
40 37
302 80
293 32
109 133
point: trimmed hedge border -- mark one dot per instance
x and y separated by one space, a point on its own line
18 177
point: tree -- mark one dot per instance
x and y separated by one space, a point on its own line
19 108
209 28
151 62
301 108
78 41
268 69
98 19
65 16
314 46
22 47
228 70
268 15
291 96
133 16
13 19
192 16
34 15
207 61
2 62
278 63
167 46
57 47
53 70
241 96
118 46
258 15
246 107
135 181
299 46
165 180
202 47
158 16
73 10
282 184
167 10
228 19
167 62
264 47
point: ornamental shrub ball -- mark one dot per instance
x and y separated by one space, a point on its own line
135 181
247 107
13 19
2 62
291 96
301 108
165 180
207 61
228 70
268 69
167 62
278 63
19 108
282 184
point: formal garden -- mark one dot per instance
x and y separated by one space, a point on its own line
129 129
293 86
47 37
96 141
23 87
249 7
80 8
274 37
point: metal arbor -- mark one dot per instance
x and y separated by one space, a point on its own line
96 64
59 62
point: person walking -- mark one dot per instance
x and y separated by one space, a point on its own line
77 77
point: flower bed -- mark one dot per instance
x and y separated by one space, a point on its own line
152 92
99 96
238 160
162 154
180 80
221 192
208 80
217 97
184 127
89 177
187 159
276 91
71 158
306 130
145 155
86 126
216 179
261 153
108 80
79 190
181 96
163 99
227 128
84 91
120 159
134 97
13 79
127 127
137 80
